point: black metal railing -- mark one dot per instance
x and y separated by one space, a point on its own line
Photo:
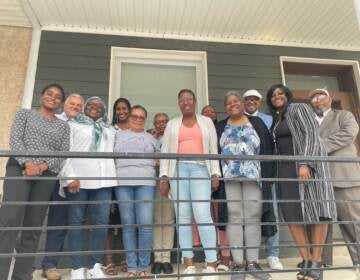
176 250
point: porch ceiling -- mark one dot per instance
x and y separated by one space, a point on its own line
308 23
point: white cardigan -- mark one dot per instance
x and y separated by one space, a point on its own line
170 142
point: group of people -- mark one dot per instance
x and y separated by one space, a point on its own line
187 188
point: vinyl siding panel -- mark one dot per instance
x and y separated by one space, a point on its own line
81 62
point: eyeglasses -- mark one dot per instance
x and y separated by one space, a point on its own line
161 122
318 98
137 118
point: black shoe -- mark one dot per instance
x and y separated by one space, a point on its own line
315 271
304 265
239 272
157 268
167 268
255 270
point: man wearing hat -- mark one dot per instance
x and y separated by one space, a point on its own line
338 130
252 101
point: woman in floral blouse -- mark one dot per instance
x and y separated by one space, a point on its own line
243 135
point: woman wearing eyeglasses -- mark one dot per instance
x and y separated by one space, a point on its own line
191 134
136 140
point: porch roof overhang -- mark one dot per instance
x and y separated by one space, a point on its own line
330 24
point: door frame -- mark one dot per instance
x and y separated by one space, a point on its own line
353 63
197 59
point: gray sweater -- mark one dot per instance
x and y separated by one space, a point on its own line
127 141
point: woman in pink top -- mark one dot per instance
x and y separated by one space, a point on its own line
191 134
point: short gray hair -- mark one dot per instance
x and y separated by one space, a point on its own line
232 93
74 94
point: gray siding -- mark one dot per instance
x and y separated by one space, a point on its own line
81 62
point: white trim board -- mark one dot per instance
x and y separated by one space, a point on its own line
353 63
106 31
121 55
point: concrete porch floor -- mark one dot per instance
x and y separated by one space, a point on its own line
289 263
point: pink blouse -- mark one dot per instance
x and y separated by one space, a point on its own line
190 140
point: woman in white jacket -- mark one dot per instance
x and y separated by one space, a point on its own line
89 133
191 134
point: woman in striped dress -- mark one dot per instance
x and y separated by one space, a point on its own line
295 132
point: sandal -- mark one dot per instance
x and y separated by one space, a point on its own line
305 264
131 274
222 267
123 266
314 274
110 269
144 275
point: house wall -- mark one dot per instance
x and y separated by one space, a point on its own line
14 50
81 62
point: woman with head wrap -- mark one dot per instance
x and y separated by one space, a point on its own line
90 132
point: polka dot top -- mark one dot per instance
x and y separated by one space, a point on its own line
32 132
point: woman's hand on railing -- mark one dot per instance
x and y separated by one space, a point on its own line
164 186
304 173
74 186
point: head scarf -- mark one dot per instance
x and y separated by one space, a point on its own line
97 125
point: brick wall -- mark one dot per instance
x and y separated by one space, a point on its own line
14 50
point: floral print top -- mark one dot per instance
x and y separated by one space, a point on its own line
240 140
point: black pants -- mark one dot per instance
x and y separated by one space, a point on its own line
22 215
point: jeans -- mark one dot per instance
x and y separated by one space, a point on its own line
98 215
55 238
194 190
272 241
139 214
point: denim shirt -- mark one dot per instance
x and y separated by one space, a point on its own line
240 140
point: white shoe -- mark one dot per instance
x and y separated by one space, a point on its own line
190 270
209 269
77 274
274 263
96 272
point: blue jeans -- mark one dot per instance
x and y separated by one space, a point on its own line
55 238
98 215
272 241
194 190
139 214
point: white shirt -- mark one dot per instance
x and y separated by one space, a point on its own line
320 119
62 117
80 141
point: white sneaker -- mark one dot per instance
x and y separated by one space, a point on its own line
274 263
77 274
96 272
190 270
210 269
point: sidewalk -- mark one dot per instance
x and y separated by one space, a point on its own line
290 263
